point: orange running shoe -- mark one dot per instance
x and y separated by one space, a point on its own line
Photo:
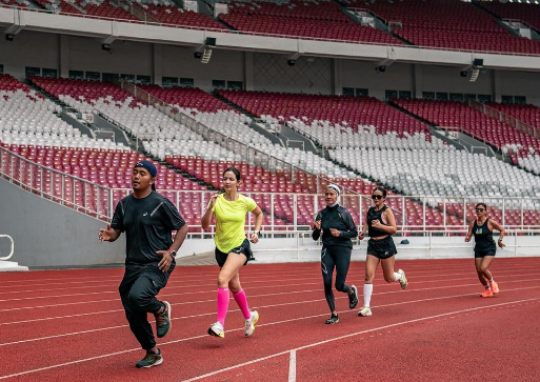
494 287
487 293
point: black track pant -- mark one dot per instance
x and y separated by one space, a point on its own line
138 290
340 258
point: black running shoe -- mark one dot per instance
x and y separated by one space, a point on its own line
332 320
353 298
163 320
150 360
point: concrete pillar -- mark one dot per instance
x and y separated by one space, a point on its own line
157 63
337 76
417 81
63 59
249 71
496 92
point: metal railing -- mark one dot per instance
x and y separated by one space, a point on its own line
82 195
489 144
12 248
505 118
285 212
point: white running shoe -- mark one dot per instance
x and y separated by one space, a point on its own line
250 323
403 280
365 311
217 330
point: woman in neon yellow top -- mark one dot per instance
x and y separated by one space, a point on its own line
232 248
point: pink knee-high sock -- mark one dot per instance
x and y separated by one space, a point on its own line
222 304
241 300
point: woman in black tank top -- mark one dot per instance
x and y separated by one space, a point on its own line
484 250
381 225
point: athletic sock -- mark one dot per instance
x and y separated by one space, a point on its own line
492 280
488 287
368 291
222 304
397 276
241 300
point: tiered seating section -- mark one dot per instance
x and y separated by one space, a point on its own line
448 24
453 114
232 124
190 100
380 136
357 123
524 154
164 11
347 112
169 13
374 142
527 12
301 18
174 139
16 3
96 8
27 118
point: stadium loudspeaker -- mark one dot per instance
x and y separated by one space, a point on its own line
381 68
10 37
291 62
210 41
463 73
197 55
106 47
478 62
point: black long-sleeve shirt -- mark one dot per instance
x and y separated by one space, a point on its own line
339 218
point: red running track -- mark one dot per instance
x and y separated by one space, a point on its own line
70 326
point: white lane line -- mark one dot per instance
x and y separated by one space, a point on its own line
184 278
171 283
58 296
248 281
316 280
108 291
296 303
385 327
259 359
292 366
162 296
423 267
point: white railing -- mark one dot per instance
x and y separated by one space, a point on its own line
12 248
285 212
80 194
433 244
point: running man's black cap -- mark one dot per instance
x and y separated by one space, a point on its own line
150 167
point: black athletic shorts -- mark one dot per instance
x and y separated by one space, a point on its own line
244 248
483 252
382 249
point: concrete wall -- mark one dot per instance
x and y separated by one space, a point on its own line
258 71
47 234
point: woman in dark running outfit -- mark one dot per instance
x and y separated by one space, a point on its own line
338 228
381 223
484 250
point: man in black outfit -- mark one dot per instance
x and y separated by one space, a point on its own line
148 220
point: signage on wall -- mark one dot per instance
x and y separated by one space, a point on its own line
87 117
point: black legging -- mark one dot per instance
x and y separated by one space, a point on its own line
339 257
